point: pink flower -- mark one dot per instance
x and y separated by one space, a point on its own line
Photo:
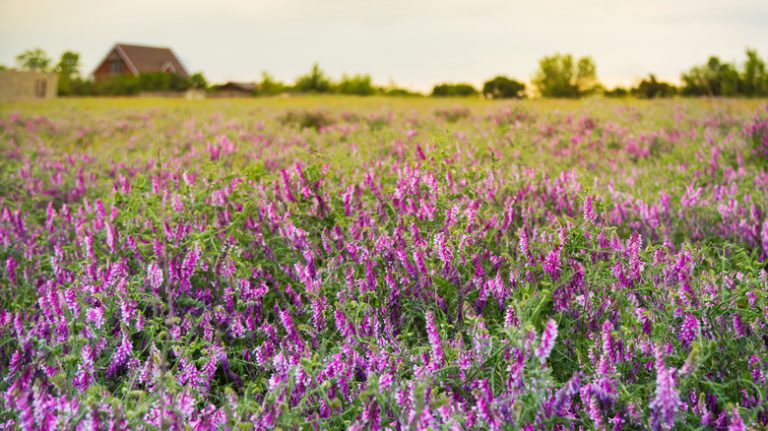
434 339
547 343
667 403
121 355
689 329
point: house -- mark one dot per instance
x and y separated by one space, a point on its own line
235 89
124 59
18 84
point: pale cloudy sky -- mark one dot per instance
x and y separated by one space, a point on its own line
416 43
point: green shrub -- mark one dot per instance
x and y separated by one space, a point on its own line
307 119
454 90
502 87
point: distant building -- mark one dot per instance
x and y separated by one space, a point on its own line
19 85
133 60
235 89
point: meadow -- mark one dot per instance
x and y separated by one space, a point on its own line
383 263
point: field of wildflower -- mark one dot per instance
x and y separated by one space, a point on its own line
340 263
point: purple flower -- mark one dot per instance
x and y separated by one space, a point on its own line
111 237
154 276
547 343
523 242
434 340
608 342
738 325
551 263
419 259
385 381
589 212
736 423
318 308
290 329
510 316
667 403
758 375
84 375
10 266
121 355
689 329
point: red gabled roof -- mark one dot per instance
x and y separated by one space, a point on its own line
140 59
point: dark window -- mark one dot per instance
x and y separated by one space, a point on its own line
41 86
117 67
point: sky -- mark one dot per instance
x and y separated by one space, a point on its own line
414 43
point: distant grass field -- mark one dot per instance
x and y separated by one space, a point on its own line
518 146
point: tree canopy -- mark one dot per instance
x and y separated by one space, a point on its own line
68 69
651 88
360 85
315 81
34 59
560 75
454 90
502 87
714 78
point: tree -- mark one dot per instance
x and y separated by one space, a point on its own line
68 69
400 92
269 86
197 81
560 76
714 78
754 79
651 88
69 65
33 59
502 87
314 82
616 92
360 85
454 90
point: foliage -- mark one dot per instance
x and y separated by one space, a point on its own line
711 79
358 85
68 70
454 90
453 114
314 82
127 85
502 87
34 59
307 119
197 81
560 75
754 76
617 92
269 86
394 90
650 88
716 78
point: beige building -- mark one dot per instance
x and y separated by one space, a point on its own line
17 85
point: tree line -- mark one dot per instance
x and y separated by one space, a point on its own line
563 76
557 76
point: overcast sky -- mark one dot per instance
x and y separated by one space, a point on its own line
416 43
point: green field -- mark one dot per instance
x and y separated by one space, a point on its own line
383 263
